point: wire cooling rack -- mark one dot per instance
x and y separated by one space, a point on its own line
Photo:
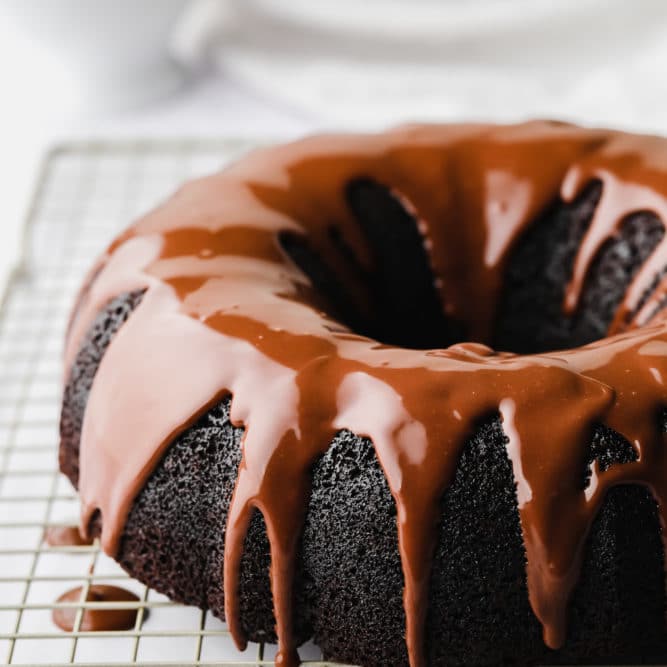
85 194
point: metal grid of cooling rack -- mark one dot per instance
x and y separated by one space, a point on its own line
86 193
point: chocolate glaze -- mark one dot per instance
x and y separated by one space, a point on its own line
66 536
97 620
227 312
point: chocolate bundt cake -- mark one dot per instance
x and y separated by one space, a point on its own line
403 393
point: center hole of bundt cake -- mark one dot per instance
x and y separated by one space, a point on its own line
396 301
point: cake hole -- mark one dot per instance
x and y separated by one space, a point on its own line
397 302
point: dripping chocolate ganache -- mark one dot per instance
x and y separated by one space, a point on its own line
401 392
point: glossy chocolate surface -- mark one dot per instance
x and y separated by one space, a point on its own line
227 311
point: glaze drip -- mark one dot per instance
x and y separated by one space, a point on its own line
65 536
227 311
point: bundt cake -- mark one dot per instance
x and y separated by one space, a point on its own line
283 400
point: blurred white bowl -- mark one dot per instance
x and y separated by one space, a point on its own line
110 54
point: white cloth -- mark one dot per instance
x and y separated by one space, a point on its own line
381 61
